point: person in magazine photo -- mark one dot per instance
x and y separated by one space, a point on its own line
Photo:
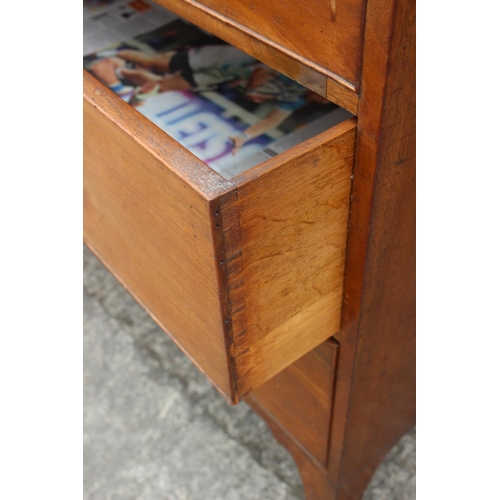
197 69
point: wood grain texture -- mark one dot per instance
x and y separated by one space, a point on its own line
321 79
153 230
301 396
293 227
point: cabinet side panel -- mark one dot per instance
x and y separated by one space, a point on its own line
375 389
154 232
293 227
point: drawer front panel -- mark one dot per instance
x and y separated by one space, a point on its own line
155 234
293 227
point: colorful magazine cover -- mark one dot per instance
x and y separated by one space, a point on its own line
227 108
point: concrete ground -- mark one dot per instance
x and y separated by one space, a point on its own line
155 429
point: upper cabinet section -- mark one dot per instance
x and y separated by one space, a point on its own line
326 32
318 43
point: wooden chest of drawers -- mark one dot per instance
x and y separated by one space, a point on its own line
252 276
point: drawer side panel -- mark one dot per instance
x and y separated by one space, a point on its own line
154 232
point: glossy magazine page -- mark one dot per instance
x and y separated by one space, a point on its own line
227 108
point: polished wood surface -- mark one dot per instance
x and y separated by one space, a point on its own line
267 239
223 266
286 58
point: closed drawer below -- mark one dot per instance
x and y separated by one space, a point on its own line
244 274
301 399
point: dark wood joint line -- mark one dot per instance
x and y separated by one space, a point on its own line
226 230
335 359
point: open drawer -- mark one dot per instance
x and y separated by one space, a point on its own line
244 274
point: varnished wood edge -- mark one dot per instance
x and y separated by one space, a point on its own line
344 128
226 234
336 93
309 74
157 321
173 156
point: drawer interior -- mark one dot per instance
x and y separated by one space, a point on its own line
232 111
244 273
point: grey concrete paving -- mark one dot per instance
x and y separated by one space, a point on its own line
155 429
